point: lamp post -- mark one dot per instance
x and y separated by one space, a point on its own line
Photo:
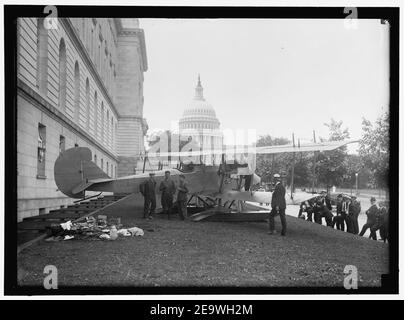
356 182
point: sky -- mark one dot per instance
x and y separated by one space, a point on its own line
275 76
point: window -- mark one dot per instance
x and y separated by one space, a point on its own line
95 115
102 122
87 103
76 92
112 131
62 144
42 57
112 171
107 127
107 167
95 159
102 164
41 157
41 211
62 74
76 145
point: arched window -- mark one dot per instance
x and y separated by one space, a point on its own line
87 103
112 132
107 127
102 122
95 115
42 57
76 92
62 74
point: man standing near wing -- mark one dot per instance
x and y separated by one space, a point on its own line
278 205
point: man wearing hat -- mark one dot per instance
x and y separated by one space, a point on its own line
278 205
168 189
148 190
372 214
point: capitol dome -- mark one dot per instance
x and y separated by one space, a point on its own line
199 122
199 114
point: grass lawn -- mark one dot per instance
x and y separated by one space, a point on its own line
185 253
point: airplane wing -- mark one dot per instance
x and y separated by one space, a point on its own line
323 146
310 147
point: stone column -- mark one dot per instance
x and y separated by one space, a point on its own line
131 63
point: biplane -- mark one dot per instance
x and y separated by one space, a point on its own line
216 186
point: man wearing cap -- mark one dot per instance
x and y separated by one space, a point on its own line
167 188
372 214
148 190
278 205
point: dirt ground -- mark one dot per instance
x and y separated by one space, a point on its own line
186 253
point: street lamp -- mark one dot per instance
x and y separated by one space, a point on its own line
356 182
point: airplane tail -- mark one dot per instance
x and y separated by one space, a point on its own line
74 167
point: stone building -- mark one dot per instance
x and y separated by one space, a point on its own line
199 121
79 83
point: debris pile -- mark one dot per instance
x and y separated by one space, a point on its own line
101 228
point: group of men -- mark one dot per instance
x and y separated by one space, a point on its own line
168 190
347 213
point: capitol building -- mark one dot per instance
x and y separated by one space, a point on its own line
199 121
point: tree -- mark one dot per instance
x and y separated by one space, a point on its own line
374 149
267 165
330 164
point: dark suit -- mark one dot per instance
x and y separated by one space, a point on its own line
148 190
372 214
278 205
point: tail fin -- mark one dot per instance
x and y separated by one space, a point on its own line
74 167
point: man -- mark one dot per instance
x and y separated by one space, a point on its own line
380 224
371 213
182 198
305 207
148 190
321 211
339 219
278 205
167 188
354 211
384 228
347 204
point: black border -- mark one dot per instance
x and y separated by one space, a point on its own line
11 12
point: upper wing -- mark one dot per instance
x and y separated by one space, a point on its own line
322 146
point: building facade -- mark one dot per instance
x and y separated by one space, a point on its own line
79 83
199 121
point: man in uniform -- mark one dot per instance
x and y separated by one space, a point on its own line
182 198
278 205
167 188
372 214
148 190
